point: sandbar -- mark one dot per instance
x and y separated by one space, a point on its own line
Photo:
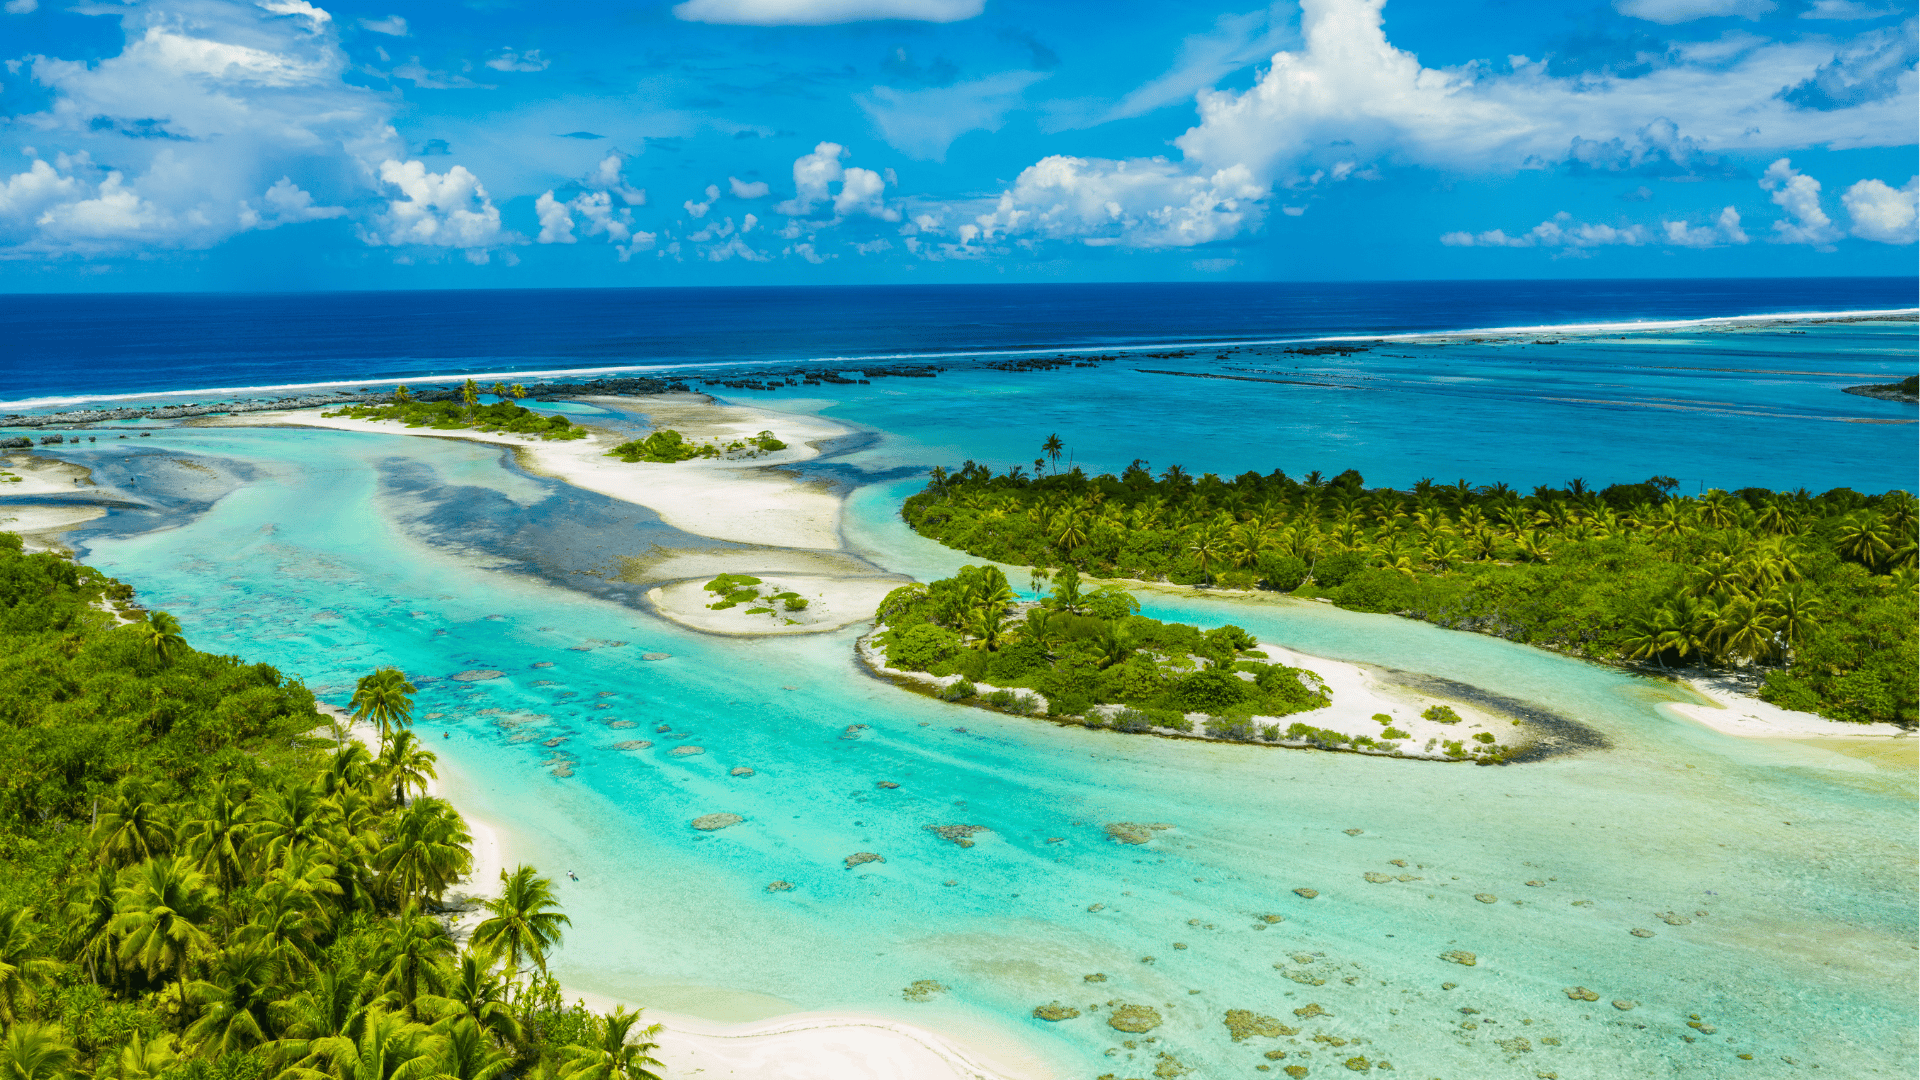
792 525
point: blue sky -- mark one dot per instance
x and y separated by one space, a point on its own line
287 144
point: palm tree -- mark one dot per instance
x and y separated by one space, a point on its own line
1052 448
525 920
23 970
217 838
132 827
610 1055
144 1059
36 1052
411 958
1069 530
88 913
385 1047
163 911
404 764
161 634
500 390
331 1006
385 698
292 818
1795 612
1743 629
1864 536
235 1000
427 852
1208 545
462 1051
985 623
349 769
475 993
470 395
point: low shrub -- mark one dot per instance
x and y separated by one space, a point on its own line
918 648
1393 733
1441 714
1282 572
1382 719
795 603
1483 737
1026 704
1223 727
1131 721
958 690
1000 699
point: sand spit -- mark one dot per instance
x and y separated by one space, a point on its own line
794 526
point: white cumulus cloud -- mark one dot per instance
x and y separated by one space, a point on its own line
446 210
1724 230
862 191
1799 195
1883 213
1146 203
392 26
824 12
743 190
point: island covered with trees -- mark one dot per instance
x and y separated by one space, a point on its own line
204 884
1814 592
1087 656
467 414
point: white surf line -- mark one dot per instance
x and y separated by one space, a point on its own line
27 404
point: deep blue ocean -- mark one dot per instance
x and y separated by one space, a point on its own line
80 346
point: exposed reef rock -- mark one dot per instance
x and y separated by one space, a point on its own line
1055 1012
1128 832
922 990
632 744
779 886
1136 1019
686 751
476 675
1305 893
1243 1024
711 822
959 834
861 857
1461 957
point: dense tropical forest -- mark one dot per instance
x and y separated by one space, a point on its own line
203 883
1817 592
467 413
1081 648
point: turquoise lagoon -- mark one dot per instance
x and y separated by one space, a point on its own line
331 553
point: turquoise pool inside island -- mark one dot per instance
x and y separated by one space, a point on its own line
1662 907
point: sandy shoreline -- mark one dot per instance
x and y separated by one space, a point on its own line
1735 711
793 526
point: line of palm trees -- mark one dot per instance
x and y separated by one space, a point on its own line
1224 526
296 919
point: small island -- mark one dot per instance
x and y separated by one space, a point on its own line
1087 657
467 413
1907 389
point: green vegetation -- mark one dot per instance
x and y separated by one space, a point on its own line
732 590
468 413
1441 714
1814 592
664 445
668 445
198 888
1081 649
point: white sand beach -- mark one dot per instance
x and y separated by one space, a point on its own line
757 509
1358 697
793 525
1735 711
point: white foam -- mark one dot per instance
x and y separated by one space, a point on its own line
485 378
